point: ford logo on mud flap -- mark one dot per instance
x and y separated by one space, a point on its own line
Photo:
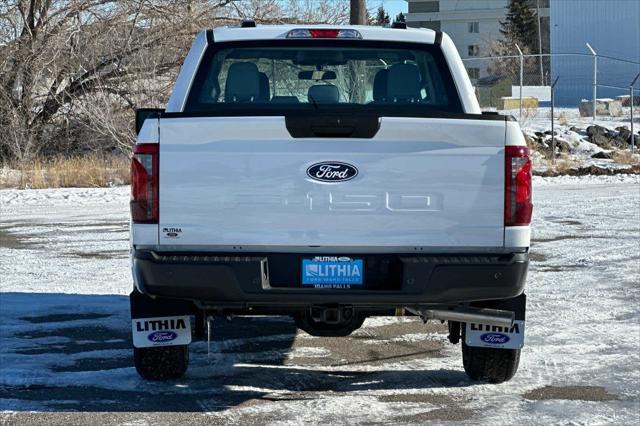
162 336
495 338
332 171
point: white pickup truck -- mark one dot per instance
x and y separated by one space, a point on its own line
329 173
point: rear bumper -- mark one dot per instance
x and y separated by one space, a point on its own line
270 280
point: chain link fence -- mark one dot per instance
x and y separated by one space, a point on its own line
521 85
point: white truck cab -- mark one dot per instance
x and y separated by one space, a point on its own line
329 173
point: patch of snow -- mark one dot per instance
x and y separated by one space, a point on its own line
568 120
583 321
621 179
308 352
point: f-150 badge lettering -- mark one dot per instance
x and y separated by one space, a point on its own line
332 171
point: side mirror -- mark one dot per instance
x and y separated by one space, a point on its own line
144 113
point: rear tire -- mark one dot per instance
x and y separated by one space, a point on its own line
489 364
161 363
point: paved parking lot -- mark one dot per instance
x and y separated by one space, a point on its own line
65 353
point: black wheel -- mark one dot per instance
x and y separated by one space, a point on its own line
489 364
161 363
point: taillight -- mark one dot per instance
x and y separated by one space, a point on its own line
144 183
517 192
324 33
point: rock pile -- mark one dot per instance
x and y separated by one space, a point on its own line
590 170
609 139
541 142
567 141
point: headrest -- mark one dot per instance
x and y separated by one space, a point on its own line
243 83
380 85
403 83
323 94
285 100
264 89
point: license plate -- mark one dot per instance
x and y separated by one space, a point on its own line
332 272
489 336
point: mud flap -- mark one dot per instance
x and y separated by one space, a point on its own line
159 322
488 336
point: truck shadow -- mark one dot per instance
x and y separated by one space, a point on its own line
63 352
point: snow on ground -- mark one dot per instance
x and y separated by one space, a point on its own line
630 181
570 128
68 240
540 119
65 345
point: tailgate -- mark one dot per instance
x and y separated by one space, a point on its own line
243 181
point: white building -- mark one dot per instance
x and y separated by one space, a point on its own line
472 24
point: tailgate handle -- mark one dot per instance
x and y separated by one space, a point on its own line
332 131
319 125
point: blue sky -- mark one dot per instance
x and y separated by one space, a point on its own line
393 7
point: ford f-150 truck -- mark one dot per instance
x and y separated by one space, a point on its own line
328 173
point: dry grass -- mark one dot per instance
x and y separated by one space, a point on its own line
626 157
563 165
562 119
528 113
85 171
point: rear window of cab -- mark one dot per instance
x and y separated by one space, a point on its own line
271 76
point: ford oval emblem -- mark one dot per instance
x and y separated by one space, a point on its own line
162 336
495 338
332 171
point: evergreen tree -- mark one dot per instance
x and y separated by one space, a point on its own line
520 25
382 18
399 18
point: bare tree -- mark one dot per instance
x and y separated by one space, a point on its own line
72 71
317 12
54 53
